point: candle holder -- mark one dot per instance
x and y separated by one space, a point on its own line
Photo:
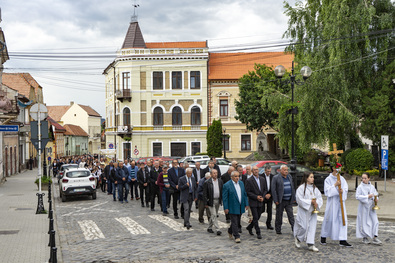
315 211
376 207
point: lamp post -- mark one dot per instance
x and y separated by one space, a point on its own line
306 71
223 139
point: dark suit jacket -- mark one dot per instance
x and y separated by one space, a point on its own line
216 167
141 179
253 191
269 191
277 188
153 177
184 189
225 177
173 178
194 172
208 192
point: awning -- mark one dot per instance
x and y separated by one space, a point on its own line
107 151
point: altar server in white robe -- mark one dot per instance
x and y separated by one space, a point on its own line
332 226
367 222
308 197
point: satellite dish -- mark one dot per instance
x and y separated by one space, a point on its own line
38 111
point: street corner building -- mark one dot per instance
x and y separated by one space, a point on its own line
162 96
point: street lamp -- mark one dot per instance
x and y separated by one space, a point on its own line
223 139
306 71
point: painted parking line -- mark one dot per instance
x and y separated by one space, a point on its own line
90 230
132 226
220 224
169 222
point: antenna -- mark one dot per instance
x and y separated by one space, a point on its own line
134 16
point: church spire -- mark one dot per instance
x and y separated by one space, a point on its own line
134 38
134 16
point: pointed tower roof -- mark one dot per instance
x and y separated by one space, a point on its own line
134 38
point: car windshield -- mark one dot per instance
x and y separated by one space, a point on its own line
222 162
76 174
70 166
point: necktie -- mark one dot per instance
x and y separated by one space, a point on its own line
190 185
176 169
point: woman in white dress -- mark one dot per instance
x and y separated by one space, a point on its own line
367 222
308 197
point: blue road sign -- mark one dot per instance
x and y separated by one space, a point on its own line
9 128
384 159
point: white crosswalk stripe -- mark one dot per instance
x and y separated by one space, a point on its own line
220 224
132 226
169 222
90 230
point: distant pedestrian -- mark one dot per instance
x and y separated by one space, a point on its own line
212 198
367 221
143 179
188 194
164 186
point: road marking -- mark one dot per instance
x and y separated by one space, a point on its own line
169 222
90 230
220 224
83 209
132 226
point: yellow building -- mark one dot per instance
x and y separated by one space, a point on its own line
225 70
156 97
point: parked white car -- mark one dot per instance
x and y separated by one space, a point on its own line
194 158
77 181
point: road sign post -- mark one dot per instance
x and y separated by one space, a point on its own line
136 151
384 157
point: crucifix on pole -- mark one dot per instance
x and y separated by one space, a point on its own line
335 152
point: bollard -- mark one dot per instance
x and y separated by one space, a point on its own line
49 192
53 256
50 214
356 182
52 239
375 186
40 204
50 207
50 225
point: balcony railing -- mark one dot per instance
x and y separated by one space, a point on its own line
124 94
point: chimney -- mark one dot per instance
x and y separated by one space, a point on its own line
71 103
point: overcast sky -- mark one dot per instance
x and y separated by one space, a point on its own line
78 27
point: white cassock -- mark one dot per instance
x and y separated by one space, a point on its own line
306 222
332 226
367 222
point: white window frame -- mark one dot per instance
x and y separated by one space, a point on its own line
152 147
186 145
189 81
200 142
241 134
152 80
182 80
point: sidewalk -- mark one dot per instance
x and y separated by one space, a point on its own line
23 234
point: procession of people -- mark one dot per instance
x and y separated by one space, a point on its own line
161 185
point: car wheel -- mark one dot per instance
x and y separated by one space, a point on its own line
94 196
64 198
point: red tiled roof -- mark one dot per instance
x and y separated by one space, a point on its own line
74 130
231 66
89 110
187 44
22 82
57 112
58 127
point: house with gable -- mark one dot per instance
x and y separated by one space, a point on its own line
83 116
76 140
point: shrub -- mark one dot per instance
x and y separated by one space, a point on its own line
359 159
344 156
311 157
44 180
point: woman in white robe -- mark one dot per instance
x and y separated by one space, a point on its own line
308 197
367 221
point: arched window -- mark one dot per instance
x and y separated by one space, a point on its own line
177 116
158 116
195 115
126 117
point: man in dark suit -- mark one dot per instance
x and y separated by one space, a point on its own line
143 178
256 190
107 171
154 190
216 167
268 201
188 194
212 198
198 175
235 202
209 168
175 173
226 177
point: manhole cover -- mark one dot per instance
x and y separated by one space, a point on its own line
8 232
24 209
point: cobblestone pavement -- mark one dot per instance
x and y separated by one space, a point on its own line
102 230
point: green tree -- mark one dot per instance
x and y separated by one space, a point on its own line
214 139
346 43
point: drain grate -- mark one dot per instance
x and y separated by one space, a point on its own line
9 232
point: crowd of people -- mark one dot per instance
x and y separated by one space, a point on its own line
163 185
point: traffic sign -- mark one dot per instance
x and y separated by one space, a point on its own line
111 146
136 152
384 159
384 142
9 128
38 111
